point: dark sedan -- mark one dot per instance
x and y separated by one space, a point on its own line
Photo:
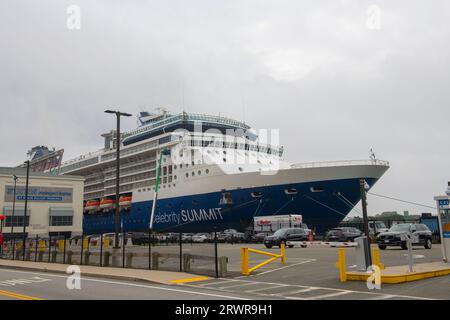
283 235
344 234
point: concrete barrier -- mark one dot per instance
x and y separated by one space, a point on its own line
106 256
53 256
69 256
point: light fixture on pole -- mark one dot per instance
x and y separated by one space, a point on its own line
117 217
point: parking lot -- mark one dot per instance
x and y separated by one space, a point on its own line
310 273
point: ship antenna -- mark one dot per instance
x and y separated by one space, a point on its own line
372 154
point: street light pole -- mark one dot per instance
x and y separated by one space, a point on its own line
25 209
362 188
13 211
117 215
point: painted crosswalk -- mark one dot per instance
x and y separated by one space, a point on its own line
270 290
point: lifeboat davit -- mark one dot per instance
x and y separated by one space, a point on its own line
125 201
91 205
106 204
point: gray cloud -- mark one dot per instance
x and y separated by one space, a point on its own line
334 87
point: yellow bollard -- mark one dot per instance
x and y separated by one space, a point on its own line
341 265
244 257
42 245
106 242
283 253
376 258
60 245
85 243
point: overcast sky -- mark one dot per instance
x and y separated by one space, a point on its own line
336 77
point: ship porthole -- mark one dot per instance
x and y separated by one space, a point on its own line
256 194
290 191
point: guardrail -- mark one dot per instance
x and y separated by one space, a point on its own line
245 257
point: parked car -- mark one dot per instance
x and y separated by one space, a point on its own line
287 234
139 238
377 227
259 237
187 237
398 235
232 235
201 237
343 234
168 237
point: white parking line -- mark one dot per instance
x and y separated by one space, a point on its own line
302 288
213 283
267 288
329 295
238 285
285 267
295 292
134 285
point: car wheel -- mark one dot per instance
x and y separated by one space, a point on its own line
382 246
291 246
268 247
428 244
404 246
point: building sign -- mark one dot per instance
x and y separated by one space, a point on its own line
40 194
443 203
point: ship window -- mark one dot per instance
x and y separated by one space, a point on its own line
290 191
175 167
316 189
187 175
181 166
175 177
207 171
224 160
193 173
240 169
199 172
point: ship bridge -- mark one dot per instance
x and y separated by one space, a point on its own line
186 121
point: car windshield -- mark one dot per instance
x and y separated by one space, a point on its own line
280 232
380 225
400 227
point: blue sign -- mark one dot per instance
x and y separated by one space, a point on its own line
443 203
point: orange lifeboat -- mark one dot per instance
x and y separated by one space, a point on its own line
106 204
91 205
125 201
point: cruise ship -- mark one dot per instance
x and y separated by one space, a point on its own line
216 173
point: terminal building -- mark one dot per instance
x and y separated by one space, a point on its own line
55 203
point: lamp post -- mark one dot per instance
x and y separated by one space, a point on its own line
117 218
13 211
2 217
362 189
25 209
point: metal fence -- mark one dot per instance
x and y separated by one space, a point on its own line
173 252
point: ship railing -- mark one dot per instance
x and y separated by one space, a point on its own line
83 157
341 163
189 116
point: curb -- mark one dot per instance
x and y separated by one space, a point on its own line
87 274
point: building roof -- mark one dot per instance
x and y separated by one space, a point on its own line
22 172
